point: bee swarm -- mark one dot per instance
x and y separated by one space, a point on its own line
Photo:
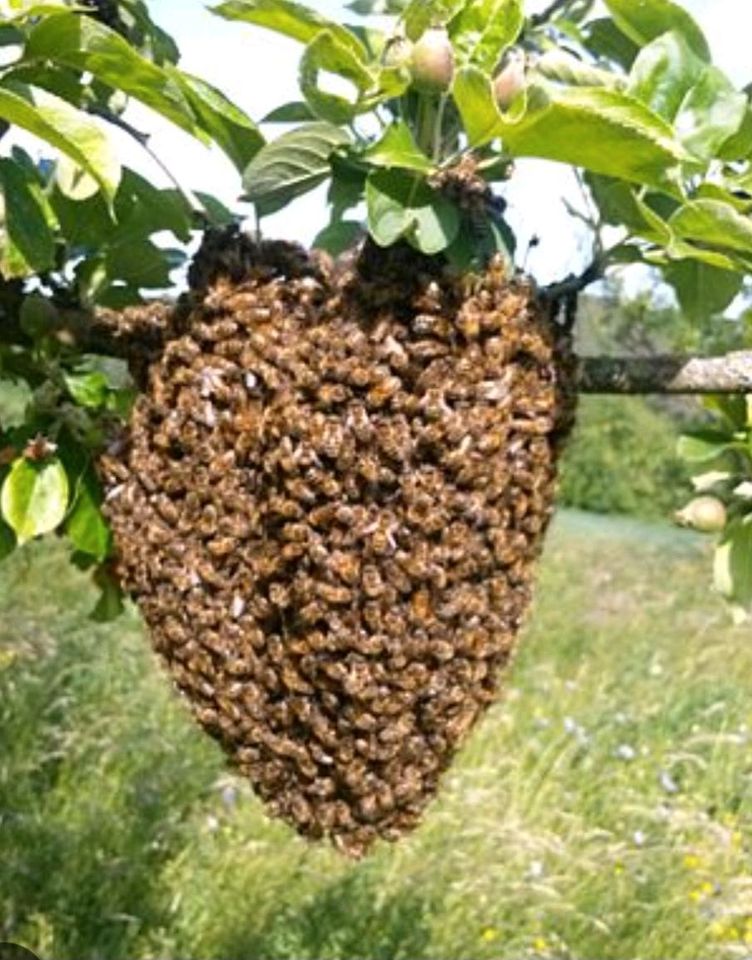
328 510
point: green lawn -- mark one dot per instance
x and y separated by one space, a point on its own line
602 810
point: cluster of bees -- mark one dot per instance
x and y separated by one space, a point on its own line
328 508
137 334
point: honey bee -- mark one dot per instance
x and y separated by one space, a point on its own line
383 391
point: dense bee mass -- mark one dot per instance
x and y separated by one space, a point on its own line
138 334
328 510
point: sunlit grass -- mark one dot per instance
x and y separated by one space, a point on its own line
602 810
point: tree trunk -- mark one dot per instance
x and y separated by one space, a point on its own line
666 375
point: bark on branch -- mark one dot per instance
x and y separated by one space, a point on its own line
731 373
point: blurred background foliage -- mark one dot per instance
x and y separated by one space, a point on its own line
623 457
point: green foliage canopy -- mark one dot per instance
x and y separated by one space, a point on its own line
632 99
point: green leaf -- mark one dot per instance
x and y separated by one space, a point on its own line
739 146
15 396
368 8
55 78
327 53
644 20
10 35
605 40
39 316
733 563
397 148
563 67
347 186
291 19
604 131
483 30
62 126
86 527
703 291
142 264
620 206
703 446
115 371
234 132
73 182
295 112
664 73
7 541
27 9
219 215
25 227
339 237
473 94
84 223
34 498
419 15
712 191
293 164
87 389
111 599
401 205
711 113
86 44
683 250
713 223
143 209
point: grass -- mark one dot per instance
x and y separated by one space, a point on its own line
602 810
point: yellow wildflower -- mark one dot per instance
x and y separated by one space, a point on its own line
489 934
540 944
692 861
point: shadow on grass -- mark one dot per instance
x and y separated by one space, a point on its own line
99 769
337 924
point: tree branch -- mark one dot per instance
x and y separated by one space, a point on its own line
666 375
562 299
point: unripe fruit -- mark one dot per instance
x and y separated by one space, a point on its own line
398 53
510 82
433 61
706 514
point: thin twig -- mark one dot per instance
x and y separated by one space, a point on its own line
142 139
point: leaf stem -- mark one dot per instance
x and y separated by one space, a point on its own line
438 131
425 124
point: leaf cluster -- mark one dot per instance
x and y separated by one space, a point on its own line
632 99
413 146
720 455
80 231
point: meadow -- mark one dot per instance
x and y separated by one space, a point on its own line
601 810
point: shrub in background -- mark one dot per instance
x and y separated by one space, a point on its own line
622 459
